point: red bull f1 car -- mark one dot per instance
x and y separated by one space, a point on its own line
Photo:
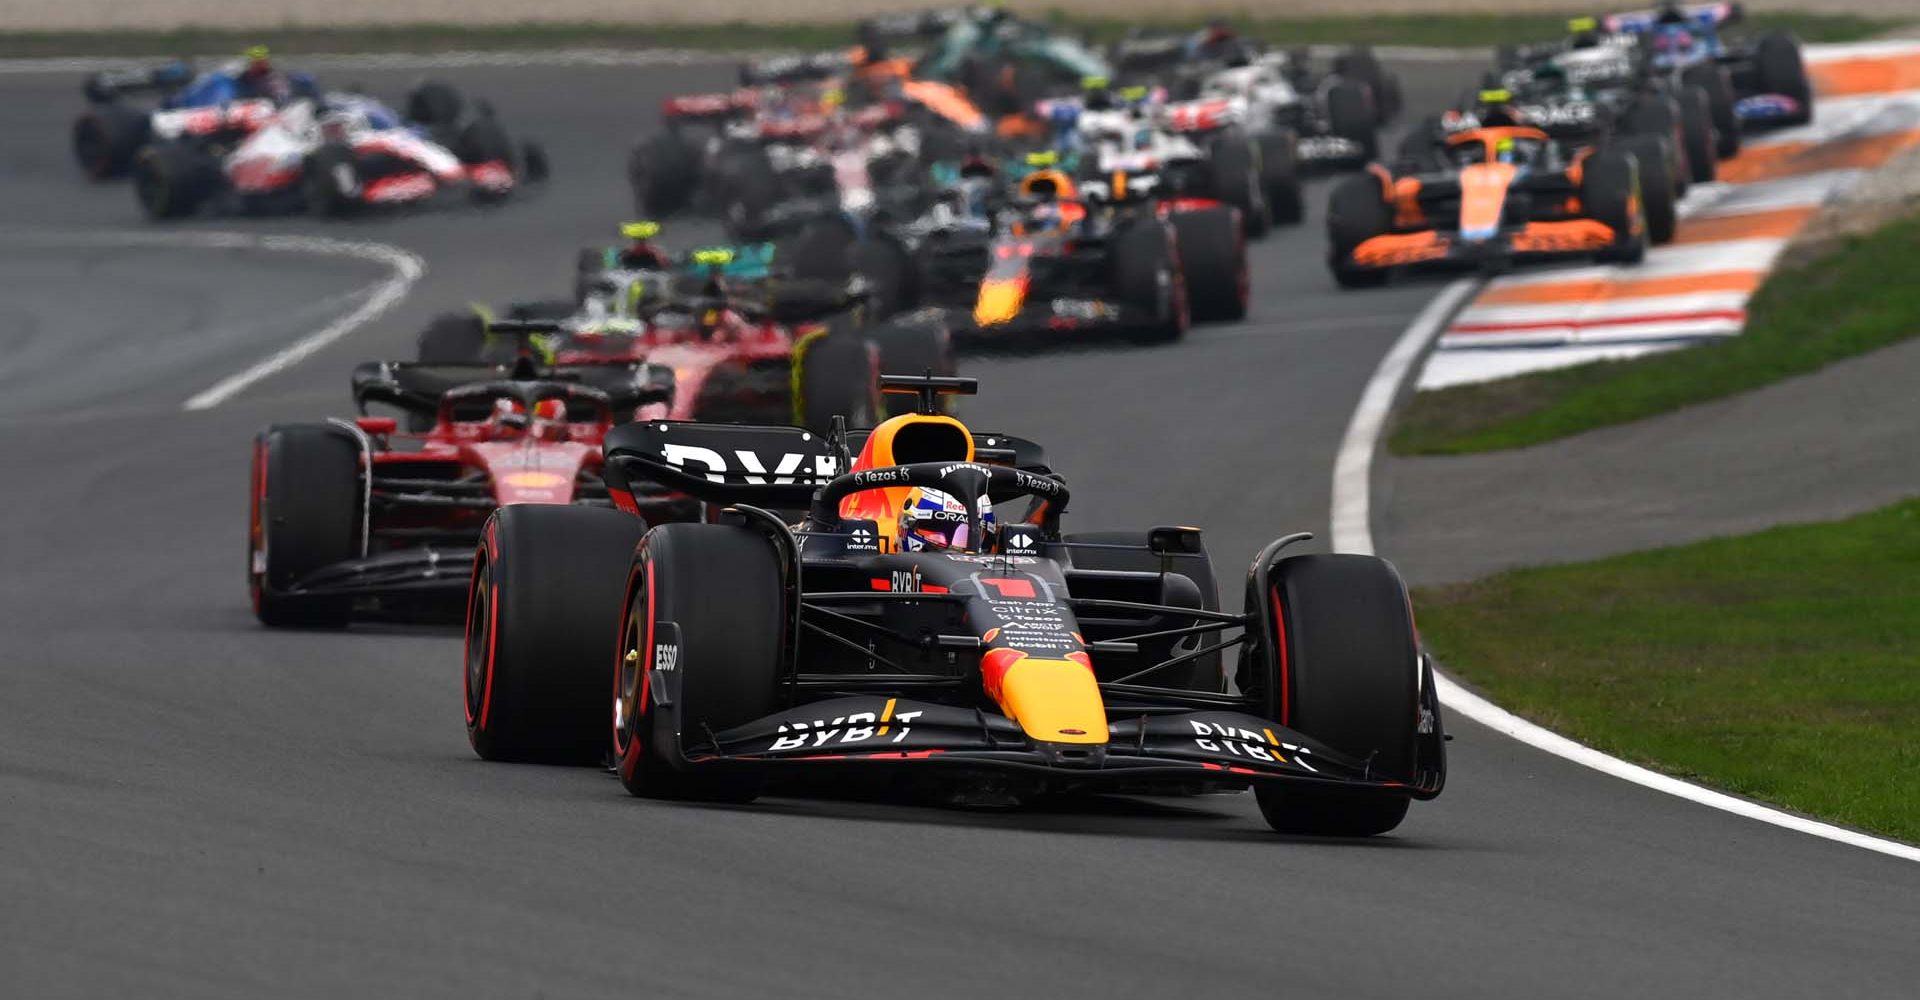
927 619
1485 198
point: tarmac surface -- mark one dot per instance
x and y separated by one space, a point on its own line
194 806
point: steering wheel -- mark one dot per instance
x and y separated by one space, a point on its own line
960 479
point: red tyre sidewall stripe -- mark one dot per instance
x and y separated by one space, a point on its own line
630 759
493 622
1280 633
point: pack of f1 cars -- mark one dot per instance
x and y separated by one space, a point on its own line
350 517
1489 194
1753 83
922 616
730 331
332 155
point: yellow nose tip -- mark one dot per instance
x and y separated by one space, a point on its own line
999 302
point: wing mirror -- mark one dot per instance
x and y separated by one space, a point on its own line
1174 541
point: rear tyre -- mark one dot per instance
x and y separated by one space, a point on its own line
1657 187
1608 189
1280 176
305 517
485 141
1356 213
453 339
1713 80
1235 179
1350 116
1781 70
542 619
171 180
912 346
106 138
1696 131
705 615
664 172
435 104
1147 273
1214 255
331 181
833 376
1345 670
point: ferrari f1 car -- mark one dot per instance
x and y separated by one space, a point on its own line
1485 197
353 517
899 629
731 333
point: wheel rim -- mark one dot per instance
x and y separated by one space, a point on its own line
479 642
630 689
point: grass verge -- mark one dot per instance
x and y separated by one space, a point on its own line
1779 665
1440 29
1862 296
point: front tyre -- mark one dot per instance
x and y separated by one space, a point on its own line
700 652
1342 666
305 516
542 613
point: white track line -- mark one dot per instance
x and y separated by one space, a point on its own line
382 295
406 269
1353 532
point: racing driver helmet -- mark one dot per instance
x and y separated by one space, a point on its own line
934 521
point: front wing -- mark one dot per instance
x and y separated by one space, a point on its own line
1433 248
1149 751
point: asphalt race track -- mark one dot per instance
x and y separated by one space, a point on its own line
193 806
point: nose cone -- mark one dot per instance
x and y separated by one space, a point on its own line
1483 197
1054 701
1000 300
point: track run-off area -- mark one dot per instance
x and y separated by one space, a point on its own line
191 805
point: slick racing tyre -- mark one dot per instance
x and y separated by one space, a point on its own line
172 180
1356 213
305 516
1713 79
435 104
1609 188
888 269
1147 273
917 345
106 137
1280 175
1213 252
542 617
1343 666
833 376
1696 132
704 617
485 141
1234 177
330 180
1657 186
452 339
1350 116
664 171
1779 69
1361 65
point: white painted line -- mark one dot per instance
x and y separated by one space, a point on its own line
340 62
1353 532
380 296
384 295
1451 368
1354 464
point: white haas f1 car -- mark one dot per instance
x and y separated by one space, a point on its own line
331 156
1198 151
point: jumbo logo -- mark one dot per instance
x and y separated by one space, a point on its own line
752 469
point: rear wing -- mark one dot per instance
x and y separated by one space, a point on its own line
783 70
760 464
103 87
710 108
1704 17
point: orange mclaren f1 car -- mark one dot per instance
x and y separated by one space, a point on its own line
922 616
1484 197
